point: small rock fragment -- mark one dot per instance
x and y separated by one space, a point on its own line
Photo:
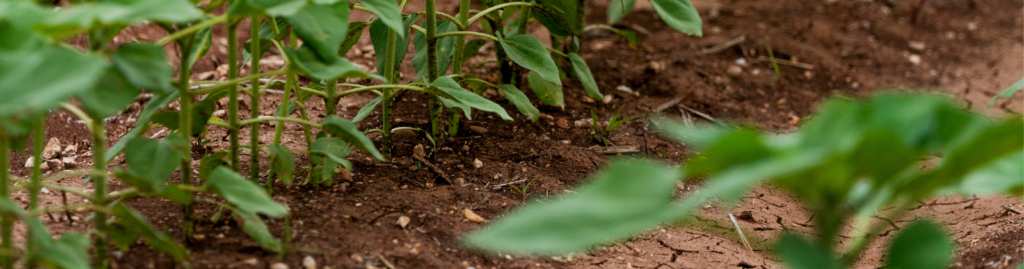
655 66
623 88
734 71
608 99
971 26
418 151
70 150
465 147
308 262
403 221
471 216
44 190
220 113
357 258
278 266
460 181
562 123
29 162
914 59
916 45
57 165
52 149
403 134
478 129
583 123
588 100
477 163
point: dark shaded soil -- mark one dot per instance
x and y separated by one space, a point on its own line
855 48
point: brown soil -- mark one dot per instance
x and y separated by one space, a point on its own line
855 48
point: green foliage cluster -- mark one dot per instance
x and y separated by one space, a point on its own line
39 72
852 160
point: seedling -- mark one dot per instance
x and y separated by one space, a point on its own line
849 162
601 134
522 191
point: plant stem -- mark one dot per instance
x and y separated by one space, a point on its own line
192 29
460 40
434 103
466 33
492 9
233 93
524 20
229 83
184 127
504 64
6 220
279 128
36 181
389 74
254 103
278 119
581 9
331 102
99 181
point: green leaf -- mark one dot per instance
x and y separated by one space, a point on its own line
144 65
329 148
211 162
445 50
548 93
283 162
92 15
200 46
111 94
618 10
680 15
1008 92
559 16
379 38
466 109
449 88
266 35
556 20
323 28
257 230
1002 176
155 160
306 61
160 99
625 198
366 110
347 131
390 16
797 253
528 52
27 72
472 48
521 102
71 251
275 8
135 222
355 30
586 78
920 245
243 194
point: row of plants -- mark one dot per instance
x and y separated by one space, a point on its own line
853 163
40 72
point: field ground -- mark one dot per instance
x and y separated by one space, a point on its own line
968 49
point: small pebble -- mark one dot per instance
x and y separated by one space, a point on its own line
916 45
478 129
52 149
734 71
608 99
308 262
477 163
472 216
403 221
914 59
278 266
562 123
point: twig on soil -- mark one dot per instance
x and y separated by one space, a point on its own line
616 149
787 63
713 50
668 104
481 203
698 113
514 181
385 261
1012 210
434 168
744 238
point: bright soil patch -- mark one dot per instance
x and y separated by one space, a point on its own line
855 48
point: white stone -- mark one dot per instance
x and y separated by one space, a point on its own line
477 163
914 59
308 262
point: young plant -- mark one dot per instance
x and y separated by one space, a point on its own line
601 134
522 191
851 160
